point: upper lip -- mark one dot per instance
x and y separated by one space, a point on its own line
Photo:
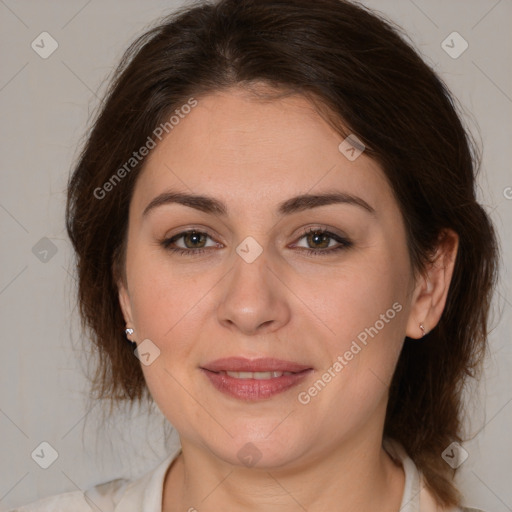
264 364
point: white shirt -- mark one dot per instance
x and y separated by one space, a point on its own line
145 493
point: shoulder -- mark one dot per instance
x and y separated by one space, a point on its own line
429 504
112 496
103 496
417 496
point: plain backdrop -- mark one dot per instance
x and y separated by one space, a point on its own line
45 105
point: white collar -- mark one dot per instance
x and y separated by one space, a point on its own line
411 495
145 494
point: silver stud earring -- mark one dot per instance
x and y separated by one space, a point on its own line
423 330
129 332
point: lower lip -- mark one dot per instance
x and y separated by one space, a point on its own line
254 389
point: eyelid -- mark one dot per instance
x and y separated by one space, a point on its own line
167 240
343 241
322 228
206 231
188 229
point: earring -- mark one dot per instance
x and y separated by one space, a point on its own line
423 330
129 332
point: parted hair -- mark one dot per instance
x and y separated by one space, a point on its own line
360 69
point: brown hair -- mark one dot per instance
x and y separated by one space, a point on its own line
358 67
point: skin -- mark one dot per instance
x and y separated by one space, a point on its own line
252 155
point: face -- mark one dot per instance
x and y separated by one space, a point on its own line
313 297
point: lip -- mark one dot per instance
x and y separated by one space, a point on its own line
254 389
264 364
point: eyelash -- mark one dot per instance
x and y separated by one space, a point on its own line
344 243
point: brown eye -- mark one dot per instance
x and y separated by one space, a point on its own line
318 237
319 242
193 242
194 239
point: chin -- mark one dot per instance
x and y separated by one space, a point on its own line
261 450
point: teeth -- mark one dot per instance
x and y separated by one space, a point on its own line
256 375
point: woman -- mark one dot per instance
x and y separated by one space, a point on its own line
276 206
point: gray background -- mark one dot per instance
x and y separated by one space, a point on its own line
45 105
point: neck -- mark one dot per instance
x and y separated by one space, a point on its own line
357 475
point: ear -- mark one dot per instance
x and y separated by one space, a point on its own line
429 296
125 303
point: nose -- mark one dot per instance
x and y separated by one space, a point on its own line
253 299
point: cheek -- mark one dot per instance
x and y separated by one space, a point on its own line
165 297
366 310
166 308
363 294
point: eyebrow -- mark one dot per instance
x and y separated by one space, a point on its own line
295 204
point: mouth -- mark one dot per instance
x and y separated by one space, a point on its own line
256 379
255 375
260 365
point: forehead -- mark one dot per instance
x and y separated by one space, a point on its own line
245 149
